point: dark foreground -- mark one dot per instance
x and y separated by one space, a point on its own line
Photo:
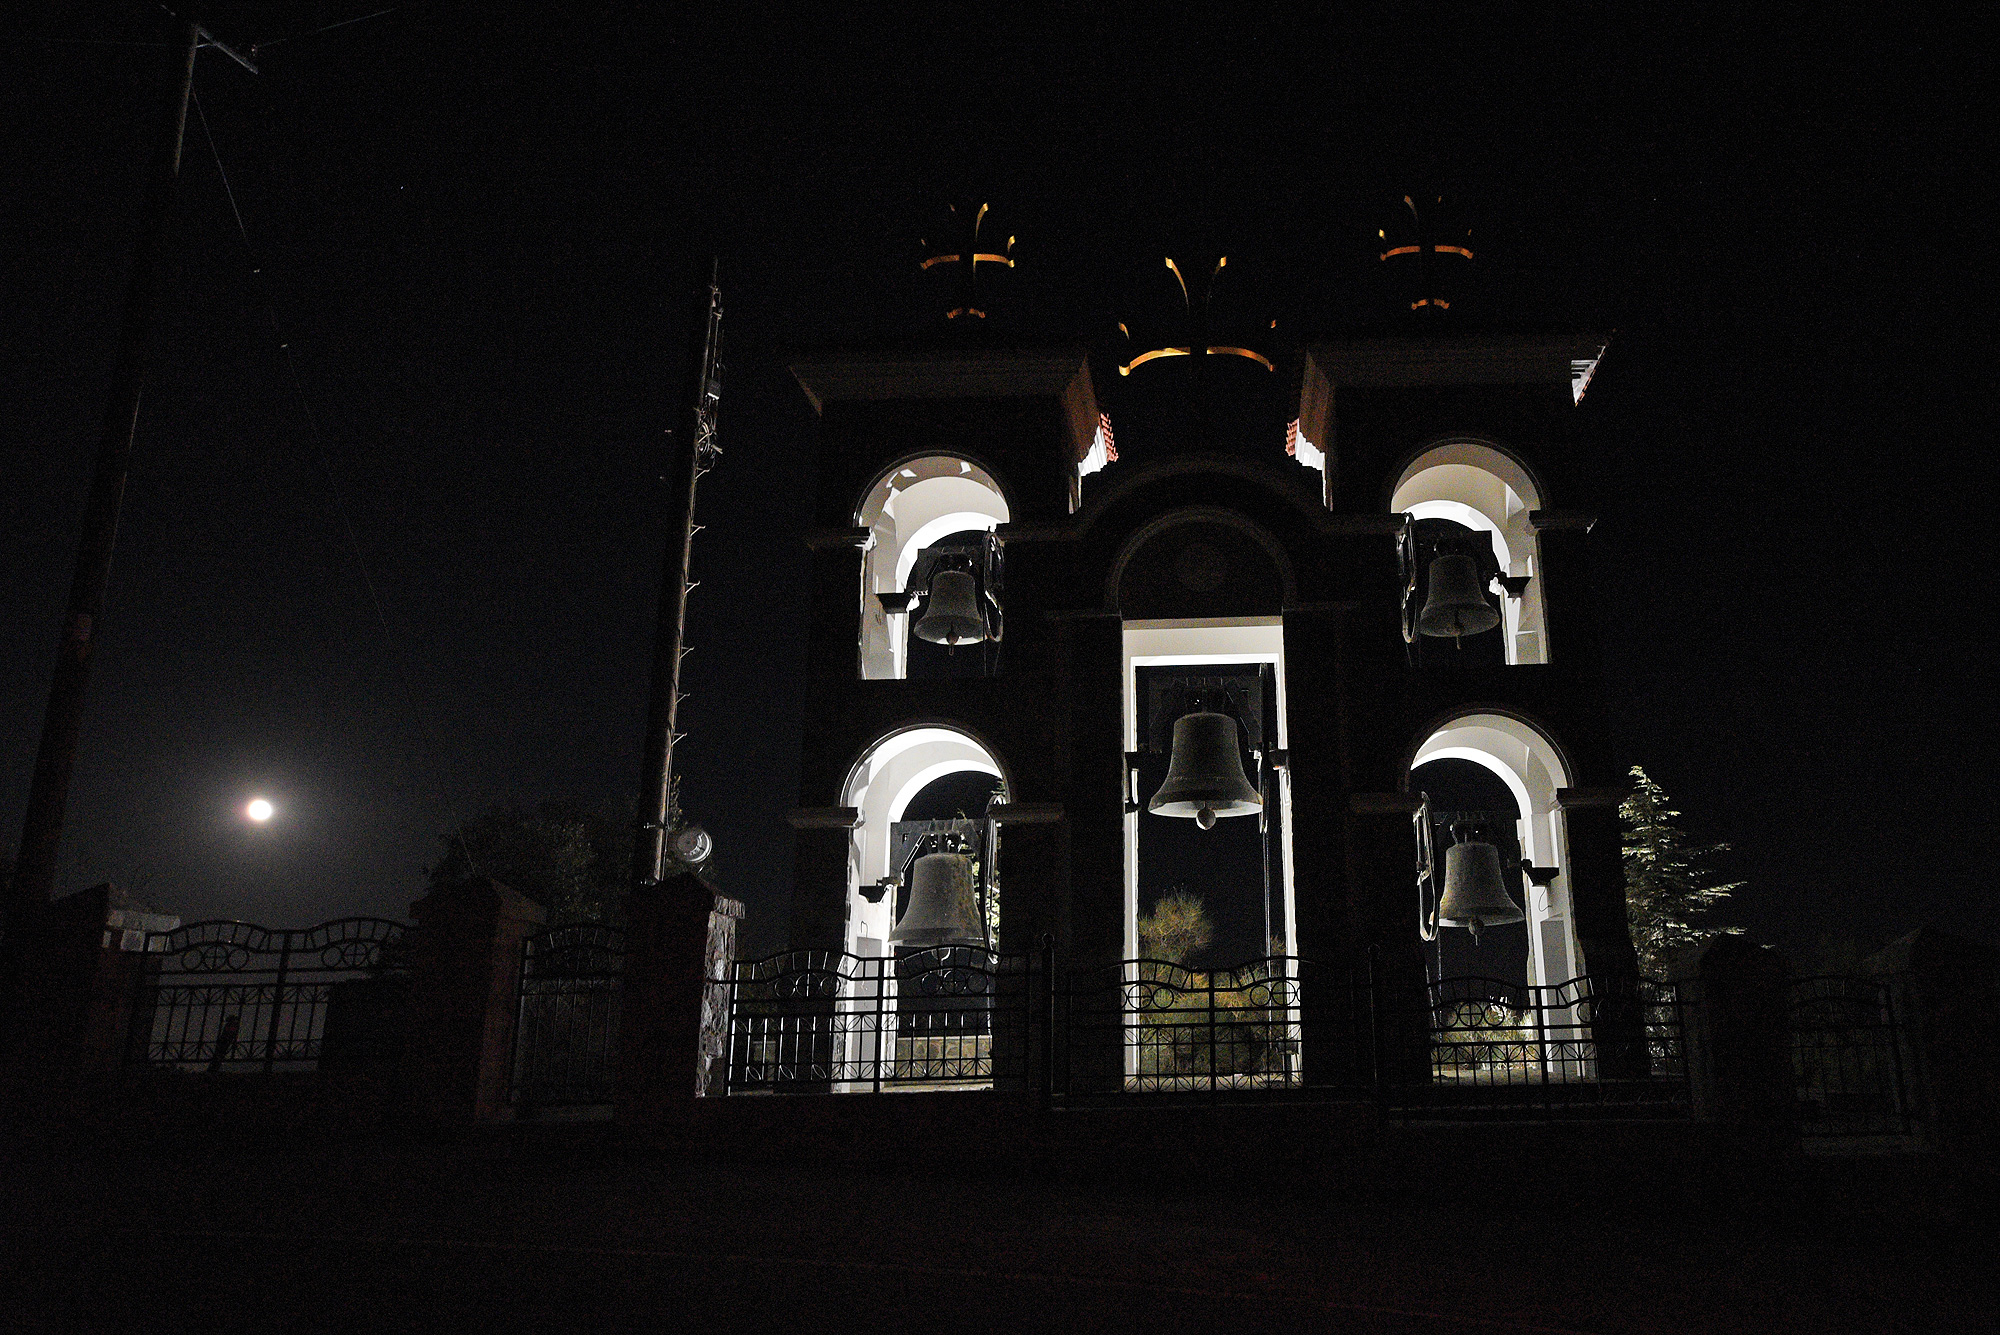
560 1229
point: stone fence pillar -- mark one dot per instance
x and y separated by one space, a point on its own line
662 1062
718 958
81 963
465 969
1737 1012
1942 988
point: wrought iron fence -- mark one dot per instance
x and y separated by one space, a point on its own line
1144 1026
233 997
1847 1059
828 1021
833 1022
566 1031
1147 1026
1591 1042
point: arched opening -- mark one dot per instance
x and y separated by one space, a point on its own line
910 785
913 507
1480 488
1200 564
1519 771
914 768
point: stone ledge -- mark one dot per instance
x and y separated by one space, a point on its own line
824 818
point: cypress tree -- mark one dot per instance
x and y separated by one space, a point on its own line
1669 885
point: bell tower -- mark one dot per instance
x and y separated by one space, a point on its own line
1277 630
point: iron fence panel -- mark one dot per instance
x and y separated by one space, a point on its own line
1148 1026
1500 1046
828 1021
566 1030
233 996
1847 1058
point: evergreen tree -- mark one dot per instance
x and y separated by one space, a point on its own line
1177 927
1669 885
566 856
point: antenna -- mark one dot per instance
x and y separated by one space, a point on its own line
657 806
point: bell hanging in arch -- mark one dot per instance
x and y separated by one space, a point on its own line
943 908
1474 894
1456 605
1205 775
951 614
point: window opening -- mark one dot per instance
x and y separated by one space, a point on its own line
1235 866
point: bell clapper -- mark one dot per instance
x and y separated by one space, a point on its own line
1205 818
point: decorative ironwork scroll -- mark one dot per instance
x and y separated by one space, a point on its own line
1147 1026
1509 1047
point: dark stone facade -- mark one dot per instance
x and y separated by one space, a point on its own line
1318 548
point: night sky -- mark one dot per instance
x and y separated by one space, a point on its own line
477 234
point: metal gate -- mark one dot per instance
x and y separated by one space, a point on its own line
236 997
1846 1059
566 1032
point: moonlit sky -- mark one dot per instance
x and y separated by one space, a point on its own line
477 233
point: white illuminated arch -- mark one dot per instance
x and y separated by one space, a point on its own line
881 787
942 527
1533 770
913 505
1490 492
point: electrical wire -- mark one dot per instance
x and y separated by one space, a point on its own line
417 711
255 47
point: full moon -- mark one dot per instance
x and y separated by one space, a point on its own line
259 810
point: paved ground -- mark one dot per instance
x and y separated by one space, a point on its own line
571 1231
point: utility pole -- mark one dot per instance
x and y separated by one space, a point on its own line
656 782
83 619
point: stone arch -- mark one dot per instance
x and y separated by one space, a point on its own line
1229 565
909 505
1534 768
1487 489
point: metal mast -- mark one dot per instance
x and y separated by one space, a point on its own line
83 618
656 791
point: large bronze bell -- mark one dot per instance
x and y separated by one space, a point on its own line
1474 894
944 907
951 614
1205 775
1456 606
